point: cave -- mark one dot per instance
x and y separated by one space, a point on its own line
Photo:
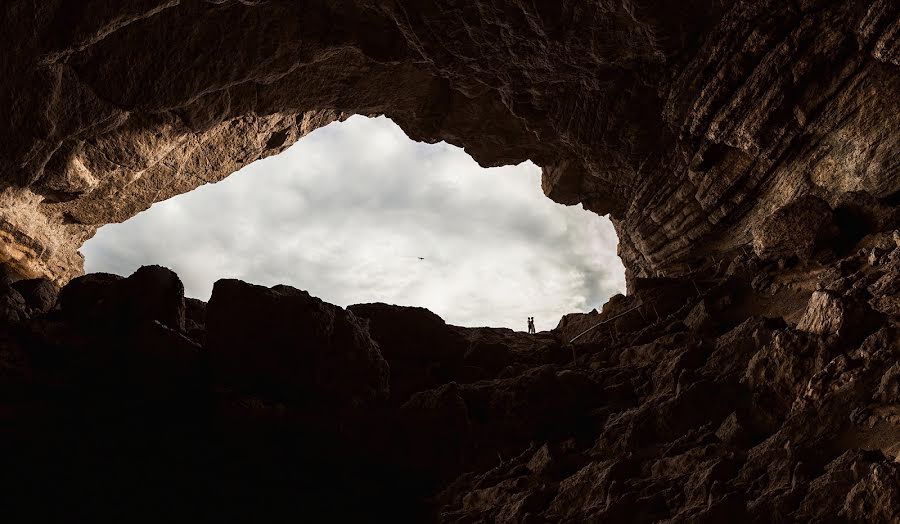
745 152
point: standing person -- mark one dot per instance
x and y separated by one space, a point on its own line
531 325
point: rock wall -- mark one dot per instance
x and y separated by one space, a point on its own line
688 122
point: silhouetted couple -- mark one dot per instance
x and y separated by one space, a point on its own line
531 325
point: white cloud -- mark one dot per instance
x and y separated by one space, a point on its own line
346 212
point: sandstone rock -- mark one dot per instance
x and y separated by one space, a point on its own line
875 497
731 430
83 294
795 230
826 494
422 350
113 300
12 305
542 461
588 491
410 332
824 314
39 293
505 502
830 314
889 389
734 349
8 275
282 341
117 333
162 295
489 356
780 371
699 318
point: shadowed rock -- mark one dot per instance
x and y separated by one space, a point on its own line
846 317
282 341
39 293
152 293
795 230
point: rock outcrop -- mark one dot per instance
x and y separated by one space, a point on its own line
286 343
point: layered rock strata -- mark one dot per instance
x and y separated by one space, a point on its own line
688 122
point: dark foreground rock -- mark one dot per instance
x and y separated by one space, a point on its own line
758 394
284 342
39 293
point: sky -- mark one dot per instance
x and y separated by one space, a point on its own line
347 212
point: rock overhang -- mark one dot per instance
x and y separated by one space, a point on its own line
687 126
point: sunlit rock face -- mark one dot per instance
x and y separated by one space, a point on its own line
688 122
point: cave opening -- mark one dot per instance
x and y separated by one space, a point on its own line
357 212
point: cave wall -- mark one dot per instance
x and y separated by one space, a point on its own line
688 122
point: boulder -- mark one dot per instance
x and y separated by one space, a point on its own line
422 350
410 332
152 293
39 293
828 313
119 332
283 342
161 296
12 305
88 295
794 230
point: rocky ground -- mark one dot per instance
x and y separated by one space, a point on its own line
757 391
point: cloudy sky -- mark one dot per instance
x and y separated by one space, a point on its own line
346 213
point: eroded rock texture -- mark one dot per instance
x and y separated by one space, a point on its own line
689 122
747 153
